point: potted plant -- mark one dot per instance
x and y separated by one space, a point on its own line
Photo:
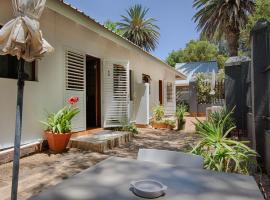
58 126
158 114
180 113
170 124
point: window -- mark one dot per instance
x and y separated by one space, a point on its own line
169 92
75 71
9 68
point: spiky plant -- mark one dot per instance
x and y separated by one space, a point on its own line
221 153
223 17
138 29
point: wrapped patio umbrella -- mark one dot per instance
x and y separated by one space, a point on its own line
22 37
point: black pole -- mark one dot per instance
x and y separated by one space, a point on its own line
18 130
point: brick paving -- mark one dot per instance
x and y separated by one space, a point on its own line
40 171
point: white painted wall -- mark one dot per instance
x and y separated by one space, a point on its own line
142 116
47 94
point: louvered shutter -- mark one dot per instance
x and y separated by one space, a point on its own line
75 85
115 90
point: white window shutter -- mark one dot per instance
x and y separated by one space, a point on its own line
115 93
75 85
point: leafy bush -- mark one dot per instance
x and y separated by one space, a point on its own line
221 153
158 112
60 122
203 90
127 127
169 122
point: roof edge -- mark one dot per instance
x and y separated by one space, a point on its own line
82 14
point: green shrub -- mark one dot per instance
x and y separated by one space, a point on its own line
158 112
127 127
180 114
221 153
169 122
203 90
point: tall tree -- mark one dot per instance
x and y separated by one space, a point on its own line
262 10
200 50
138 29
225 18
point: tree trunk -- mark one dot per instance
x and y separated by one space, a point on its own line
232 37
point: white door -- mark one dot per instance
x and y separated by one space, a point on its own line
75 85
115 93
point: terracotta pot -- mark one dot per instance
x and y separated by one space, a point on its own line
57 142
159 125
170 127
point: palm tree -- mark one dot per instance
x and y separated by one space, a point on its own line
223 17
138 29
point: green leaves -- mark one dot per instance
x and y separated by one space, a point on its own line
180 112
224 18
262 11
196 51
60 122
221 153
158 112
138 29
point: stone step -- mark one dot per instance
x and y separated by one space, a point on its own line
101 141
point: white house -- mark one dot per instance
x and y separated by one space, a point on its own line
113 78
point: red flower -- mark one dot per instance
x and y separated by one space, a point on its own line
73 100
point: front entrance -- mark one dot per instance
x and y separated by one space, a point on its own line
93 107
160 89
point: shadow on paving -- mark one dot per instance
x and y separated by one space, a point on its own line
40 171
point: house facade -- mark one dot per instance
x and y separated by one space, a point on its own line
114 79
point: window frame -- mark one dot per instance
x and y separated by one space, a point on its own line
33 66
169 92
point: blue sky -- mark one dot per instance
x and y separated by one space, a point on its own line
174 18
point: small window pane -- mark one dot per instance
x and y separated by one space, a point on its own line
169 92
9 68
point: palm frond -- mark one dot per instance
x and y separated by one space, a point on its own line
138 29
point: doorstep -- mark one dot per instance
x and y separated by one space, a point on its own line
101 141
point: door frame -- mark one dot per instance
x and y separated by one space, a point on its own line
98 90
160 89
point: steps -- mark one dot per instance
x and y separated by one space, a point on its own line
101 141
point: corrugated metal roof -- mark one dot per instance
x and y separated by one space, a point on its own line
179 74
192 68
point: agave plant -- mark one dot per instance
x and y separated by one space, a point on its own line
217 116
180 113
138 29
221 153
223 17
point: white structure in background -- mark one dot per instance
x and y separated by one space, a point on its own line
190 70
106 71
